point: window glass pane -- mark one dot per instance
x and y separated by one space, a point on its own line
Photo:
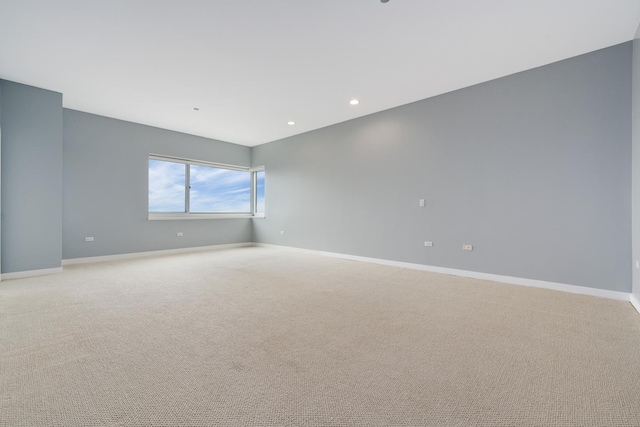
260 192
166 186
219 190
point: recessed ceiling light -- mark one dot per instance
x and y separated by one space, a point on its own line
354 102
196 108
291 123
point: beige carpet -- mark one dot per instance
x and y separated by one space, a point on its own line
270 337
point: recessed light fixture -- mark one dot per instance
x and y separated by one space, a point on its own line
291 123
354 102
196 108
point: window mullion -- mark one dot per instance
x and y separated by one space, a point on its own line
187 189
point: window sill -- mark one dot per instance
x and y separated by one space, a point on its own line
173 217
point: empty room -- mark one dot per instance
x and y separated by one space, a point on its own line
333 213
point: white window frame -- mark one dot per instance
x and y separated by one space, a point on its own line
155 216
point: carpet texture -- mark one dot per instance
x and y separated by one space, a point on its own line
271 337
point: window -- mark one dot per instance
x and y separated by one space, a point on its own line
181 188
259 193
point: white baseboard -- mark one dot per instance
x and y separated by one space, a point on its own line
583 290
31 273
635 302
118 257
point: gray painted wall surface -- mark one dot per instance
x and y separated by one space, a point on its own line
31 177
0 180
105 188
636 166
533 169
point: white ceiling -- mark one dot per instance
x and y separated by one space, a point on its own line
253 65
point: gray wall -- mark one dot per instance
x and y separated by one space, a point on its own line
533 169
636 164
0 180
105 188
31 125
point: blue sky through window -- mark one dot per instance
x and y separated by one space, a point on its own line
166 186
219 190
260 192
211 189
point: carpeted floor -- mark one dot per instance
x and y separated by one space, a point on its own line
270 337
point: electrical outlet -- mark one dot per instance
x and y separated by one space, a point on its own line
467 247
428 244
281 231
88 239
421 203
179 234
